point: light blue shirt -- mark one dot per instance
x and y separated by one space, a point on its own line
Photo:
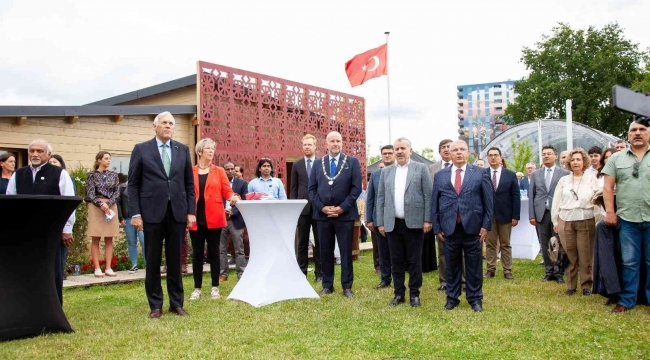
272 186
169 148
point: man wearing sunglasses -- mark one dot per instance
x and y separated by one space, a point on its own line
629 171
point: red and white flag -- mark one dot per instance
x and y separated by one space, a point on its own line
370 64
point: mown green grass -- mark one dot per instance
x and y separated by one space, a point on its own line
523 319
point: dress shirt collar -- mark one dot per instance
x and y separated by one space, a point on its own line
546 168
447 162
336 158
464 167
405 165
312 158
160 143
37 169
262 179
498 170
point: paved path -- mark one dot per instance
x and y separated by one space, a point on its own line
124 276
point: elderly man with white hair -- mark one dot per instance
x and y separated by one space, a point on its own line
334 186
42 178
162 201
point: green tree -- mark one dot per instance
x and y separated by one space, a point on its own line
371 159
581 65
426 153
522 154
644 83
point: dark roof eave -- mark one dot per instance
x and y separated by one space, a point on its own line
94 110
189 80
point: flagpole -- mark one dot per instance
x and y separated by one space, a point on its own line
390 137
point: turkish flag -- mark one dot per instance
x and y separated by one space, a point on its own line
370 64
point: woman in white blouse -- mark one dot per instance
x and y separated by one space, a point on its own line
573 218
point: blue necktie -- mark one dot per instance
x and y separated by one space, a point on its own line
332 167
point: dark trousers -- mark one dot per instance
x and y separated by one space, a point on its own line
458 247
59 264
172 233
375 250
328 232
406 254
384 252
199 238
545 232
305 223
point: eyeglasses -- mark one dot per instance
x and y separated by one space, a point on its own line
575 195
635 171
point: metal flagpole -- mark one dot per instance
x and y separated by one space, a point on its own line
390 137
569 126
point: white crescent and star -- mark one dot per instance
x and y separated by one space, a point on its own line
376 64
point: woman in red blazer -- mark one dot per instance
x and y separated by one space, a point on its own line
212 188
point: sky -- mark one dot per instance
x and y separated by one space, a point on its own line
76 52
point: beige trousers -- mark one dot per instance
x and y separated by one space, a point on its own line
499 236
577 238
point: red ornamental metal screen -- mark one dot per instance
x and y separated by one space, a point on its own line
252 116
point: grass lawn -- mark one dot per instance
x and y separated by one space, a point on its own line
523 318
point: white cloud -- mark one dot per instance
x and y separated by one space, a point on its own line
75 52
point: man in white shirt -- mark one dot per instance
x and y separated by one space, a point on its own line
404 216
594 157
42 178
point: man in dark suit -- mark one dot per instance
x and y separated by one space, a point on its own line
379 240
334 187
404 216
507 205
445 162
540 195
461 210
300 173
234 228
525 182
161 194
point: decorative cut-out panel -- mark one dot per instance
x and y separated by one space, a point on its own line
252 116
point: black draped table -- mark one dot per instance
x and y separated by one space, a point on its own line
30 236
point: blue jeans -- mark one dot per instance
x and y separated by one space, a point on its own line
635 247
132 241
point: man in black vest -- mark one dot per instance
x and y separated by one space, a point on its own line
41 178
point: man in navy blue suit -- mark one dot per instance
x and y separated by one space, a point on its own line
525 182
388 159
334 186
461 210
161 199
507 205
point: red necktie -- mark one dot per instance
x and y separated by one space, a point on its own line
457 184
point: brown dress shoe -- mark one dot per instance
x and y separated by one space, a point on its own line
155 314
222 279
619 309
489 274
178 311
508 276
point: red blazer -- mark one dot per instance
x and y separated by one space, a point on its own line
217 188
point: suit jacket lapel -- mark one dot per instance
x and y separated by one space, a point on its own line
176 155
469 173
409 175
153 146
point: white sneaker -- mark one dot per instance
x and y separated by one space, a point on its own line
110 272
196 294
99 273
215 293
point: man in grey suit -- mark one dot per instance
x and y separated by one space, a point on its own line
404 216
540 195
443 149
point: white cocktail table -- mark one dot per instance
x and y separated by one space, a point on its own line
523 237
272 273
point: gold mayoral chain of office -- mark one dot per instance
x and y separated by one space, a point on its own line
331 179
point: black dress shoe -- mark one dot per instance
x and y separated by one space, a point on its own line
155 314
570 292
463 287
382 285
560 280
397 300
548 278
326 291
477 307
586 292
415 301
319 279
348 293
178 311
442 287
450 306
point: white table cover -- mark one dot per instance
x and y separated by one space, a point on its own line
523 238
272 273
